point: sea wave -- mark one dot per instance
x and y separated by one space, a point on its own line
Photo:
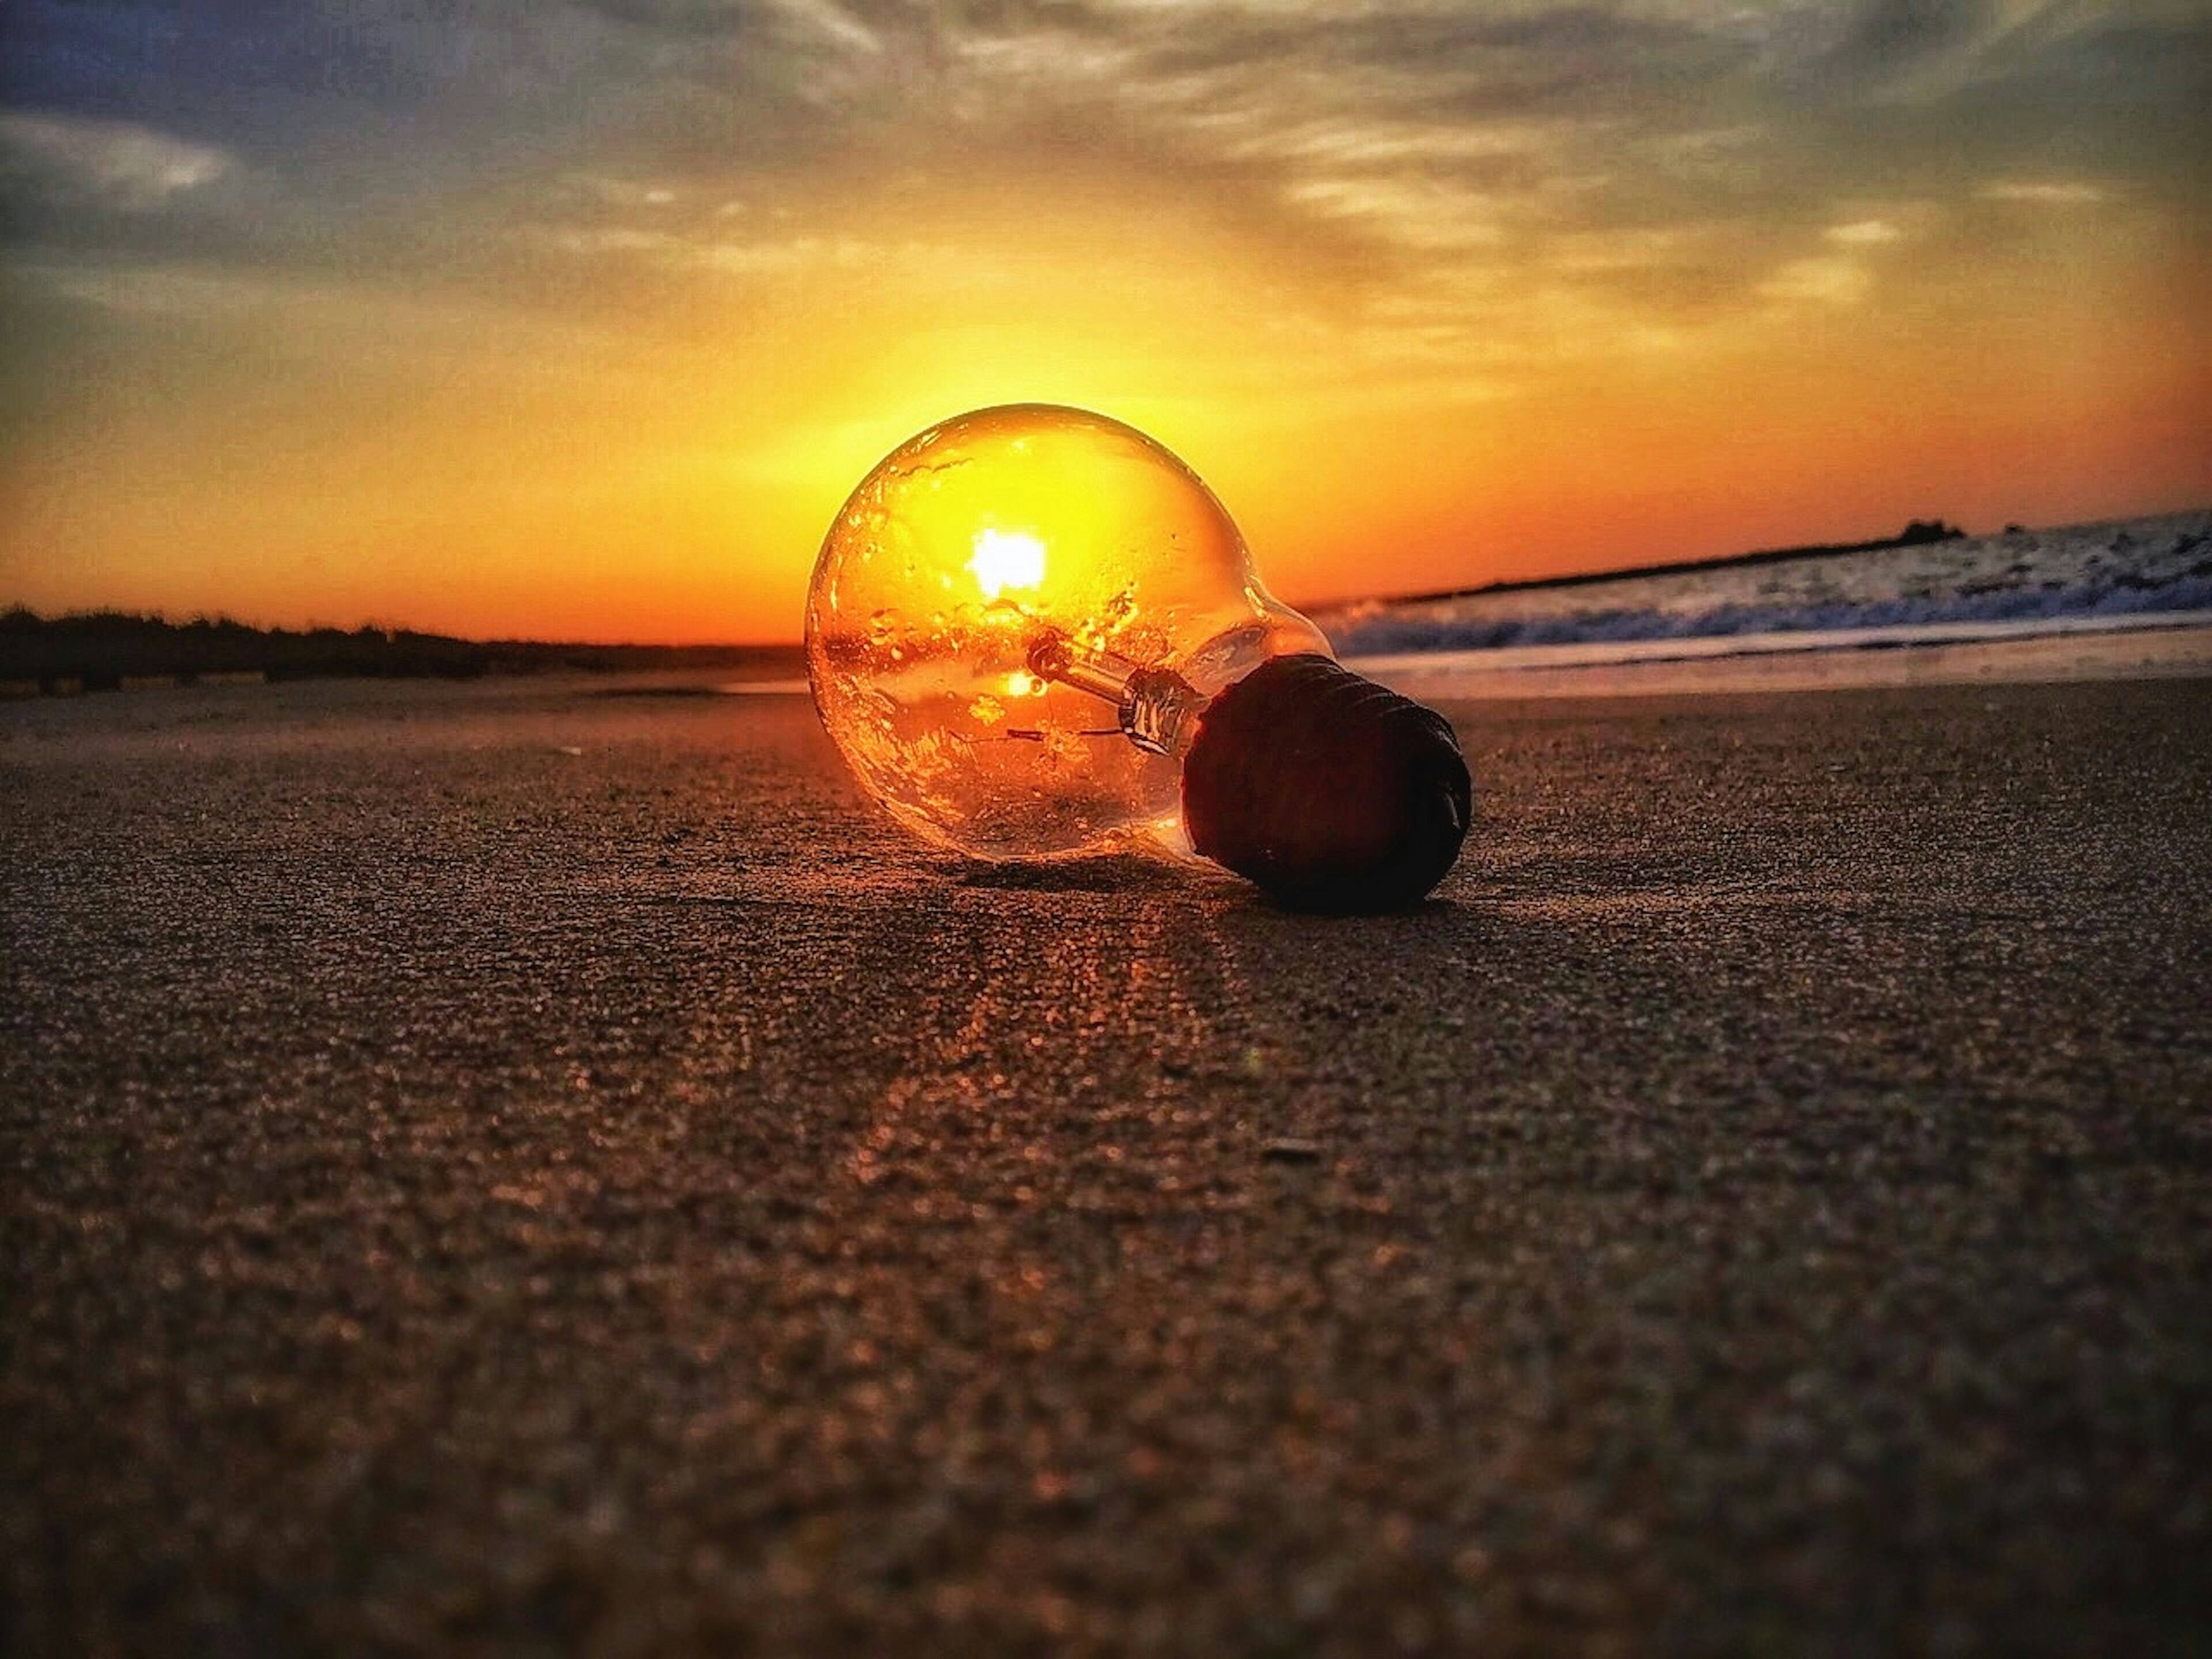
2065 578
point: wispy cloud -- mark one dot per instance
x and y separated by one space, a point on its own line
2044 192
118 163
833 22
1824 281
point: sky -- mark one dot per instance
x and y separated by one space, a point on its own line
579 318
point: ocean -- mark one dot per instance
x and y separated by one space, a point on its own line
2061 602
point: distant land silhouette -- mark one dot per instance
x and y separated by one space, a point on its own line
1919 533
107 650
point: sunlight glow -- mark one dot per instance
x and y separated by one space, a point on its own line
1004 559
1420 332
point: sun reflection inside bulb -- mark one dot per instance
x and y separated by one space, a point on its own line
1004 559
984 606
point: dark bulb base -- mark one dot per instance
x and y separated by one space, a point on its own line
1330 793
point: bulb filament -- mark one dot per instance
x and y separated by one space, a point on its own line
1154 705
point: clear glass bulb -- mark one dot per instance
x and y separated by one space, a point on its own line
1014 618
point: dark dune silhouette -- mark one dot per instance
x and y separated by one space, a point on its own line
101 650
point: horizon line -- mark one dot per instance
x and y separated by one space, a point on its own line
797 642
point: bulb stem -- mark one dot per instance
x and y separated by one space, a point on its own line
1054 656
1153 705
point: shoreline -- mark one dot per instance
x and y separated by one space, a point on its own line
2155 645
2088 649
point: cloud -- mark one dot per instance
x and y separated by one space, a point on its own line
1665 166
116 163
1670 162
2043 194
1825 280
1411 210
834 23
1863 232
1881 44
765 257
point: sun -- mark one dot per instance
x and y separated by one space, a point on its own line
1004 559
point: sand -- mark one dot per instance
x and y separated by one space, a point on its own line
513 1168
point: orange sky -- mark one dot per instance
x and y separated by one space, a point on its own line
580 320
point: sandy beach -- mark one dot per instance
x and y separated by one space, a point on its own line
513 1168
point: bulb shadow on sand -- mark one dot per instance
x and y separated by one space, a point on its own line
1134 873
1122 872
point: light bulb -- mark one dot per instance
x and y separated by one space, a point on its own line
1023 622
